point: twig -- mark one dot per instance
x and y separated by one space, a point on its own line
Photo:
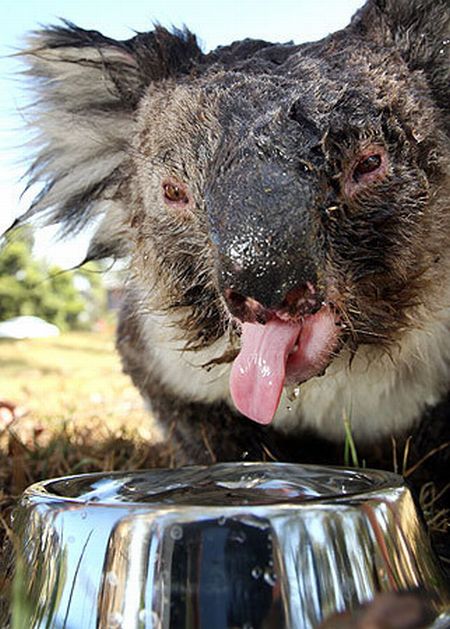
412 469
394 454
406 454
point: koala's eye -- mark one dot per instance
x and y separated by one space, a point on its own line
366 166
175 193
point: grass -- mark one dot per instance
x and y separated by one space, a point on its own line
76 376
75 410
437 518
350 453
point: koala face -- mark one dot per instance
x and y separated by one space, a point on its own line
302 207
305 204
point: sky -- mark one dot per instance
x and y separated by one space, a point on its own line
215 22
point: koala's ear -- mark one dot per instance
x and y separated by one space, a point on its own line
87 87
420 30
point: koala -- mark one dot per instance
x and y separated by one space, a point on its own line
283 214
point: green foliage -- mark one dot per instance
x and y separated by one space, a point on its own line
70 299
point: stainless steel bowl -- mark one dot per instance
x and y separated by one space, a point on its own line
233 545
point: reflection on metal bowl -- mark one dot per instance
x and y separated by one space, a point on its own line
247 545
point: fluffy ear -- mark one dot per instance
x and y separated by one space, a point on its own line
420 30
87 87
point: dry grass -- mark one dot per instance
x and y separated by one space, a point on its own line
76 411
76 376
70 392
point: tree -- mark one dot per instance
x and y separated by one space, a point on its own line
31 287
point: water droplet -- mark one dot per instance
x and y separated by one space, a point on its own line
292 393
71 539
221 521
142 615
245 454
256 572
176 532
270 577
418 135
111 579
83 515
149 617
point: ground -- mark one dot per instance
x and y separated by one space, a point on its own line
75 410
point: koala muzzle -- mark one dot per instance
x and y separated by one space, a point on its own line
264 226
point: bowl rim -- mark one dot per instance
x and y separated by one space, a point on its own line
385 482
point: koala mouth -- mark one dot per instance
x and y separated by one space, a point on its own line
280 353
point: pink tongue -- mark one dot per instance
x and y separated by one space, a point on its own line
259 371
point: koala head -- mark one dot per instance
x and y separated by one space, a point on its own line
295 196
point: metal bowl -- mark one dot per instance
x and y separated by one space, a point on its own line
232 545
